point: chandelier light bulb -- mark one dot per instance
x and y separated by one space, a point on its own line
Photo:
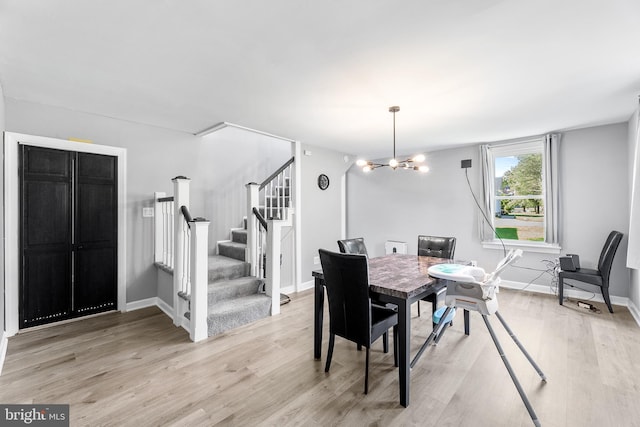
366 168
423 169
419 158
393 163
361 162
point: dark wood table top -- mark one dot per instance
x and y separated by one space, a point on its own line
399 275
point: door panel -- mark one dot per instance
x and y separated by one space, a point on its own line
46 296
46 213
45 243
95 287
95 213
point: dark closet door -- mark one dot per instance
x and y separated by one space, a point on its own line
46 240
68 235
95 285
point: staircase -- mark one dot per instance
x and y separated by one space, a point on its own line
213 294
234 297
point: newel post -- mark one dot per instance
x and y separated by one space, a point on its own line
199 278
158 230
274 248
251 255
180 198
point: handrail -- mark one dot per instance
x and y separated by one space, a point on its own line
186 213
260 218
276 173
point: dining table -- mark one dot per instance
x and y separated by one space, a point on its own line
399 279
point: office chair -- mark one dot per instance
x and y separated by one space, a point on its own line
441 247
599 277
351 315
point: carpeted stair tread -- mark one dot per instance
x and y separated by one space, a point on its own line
232 250
234 288
225 268
232 313
239 236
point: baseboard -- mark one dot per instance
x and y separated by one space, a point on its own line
306 285
568 292
4 343
288 290
633 309
143 303
166 308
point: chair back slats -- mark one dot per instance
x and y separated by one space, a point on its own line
608 253
347 283
441 247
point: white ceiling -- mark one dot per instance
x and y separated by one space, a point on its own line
325 72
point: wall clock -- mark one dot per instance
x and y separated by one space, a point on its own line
323 181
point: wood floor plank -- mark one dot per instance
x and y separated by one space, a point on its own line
137 369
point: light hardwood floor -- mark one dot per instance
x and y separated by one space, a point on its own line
137 369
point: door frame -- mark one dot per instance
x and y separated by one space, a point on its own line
12 141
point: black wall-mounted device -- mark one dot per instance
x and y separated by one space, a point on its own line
464 164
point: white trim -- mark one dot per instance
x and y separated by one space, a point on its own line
143 303
543 248
291 289
307 285
571 293
633 309
297 217
4 344
11 215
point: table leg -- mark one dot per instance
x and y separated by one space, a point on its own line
467 326
404 340
318 318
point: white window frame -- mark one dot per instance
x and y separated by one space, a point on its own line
529 146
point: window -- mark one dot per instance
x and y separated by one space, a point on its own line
520 192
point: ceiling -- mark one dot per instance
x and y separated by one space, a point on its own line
326 72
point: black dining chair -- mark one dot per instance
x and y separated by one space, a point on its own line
353 246
440 247
599 277
357 246
351 314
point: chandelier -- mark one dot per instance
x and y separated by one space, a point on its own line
394 163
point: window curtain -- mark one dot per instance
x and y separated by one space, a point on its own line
486 167
550 166
633 248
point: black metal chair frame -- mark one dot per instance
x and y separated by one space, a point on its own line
599 277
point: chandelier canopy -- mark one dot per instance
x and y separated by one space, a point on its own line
394 163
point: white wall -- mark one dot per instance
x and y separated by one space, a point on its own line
2 129
634 285
218 166
320 210
400 205
595 196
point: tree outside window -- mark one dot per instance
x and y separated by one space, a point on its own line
519 193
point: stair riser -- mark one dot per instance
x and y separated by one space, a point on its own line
239 236
231 251
228 273
223 293
221 322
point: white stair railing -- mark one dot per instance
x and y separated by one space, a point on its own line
269 208
181 246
